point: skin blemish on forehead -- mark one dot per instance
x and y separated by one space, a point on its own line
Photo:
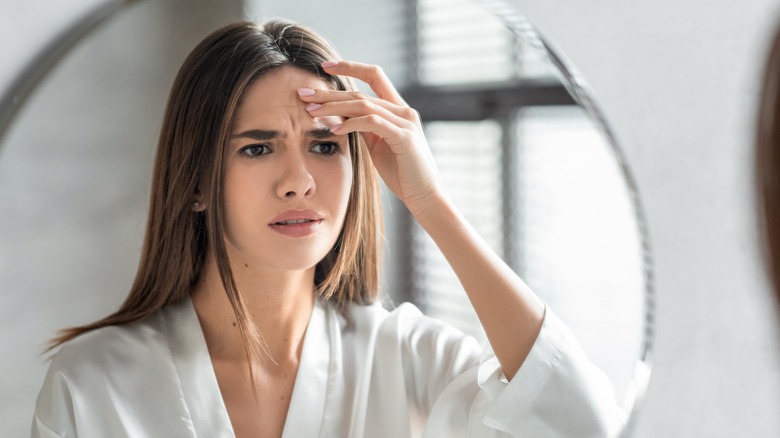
328 121
320 129
272 111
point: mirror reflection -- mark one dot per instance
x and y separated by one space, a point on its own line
537 178
521 160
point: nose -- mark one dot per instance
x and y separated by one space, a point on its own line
295 180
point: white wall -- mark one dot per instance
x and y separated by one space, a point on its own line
27 26
74 173
678 81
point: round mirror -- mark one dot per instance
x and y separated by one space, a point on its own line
523 149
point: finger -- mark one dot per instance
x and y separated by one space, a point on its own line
324 97
357 108
368 73
392 134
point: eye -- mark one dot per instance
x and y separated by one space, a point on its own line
326 148
254 150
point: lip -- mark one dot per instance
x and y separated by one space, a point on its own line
291 215
297 230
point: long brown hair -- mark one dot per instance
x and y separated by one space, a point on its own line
189 161
767 163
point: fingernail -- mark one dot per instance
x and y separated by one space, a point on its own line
329 64
305 92
312 106
335 128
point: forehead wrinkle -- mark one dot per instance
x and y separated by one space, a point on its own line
286 122
272 103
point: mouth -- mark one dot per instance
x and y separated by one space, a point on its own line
296 227
296 217
296 221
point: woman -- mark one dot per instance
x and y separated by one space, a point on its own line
252 310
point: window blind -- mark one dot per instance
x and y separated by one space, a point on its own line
460 42
468 155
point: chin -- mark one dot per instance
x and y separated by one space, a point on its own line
295 266
297 260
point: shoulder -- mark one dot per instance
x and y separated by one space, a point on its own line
374 316
405 325
111 350
112 378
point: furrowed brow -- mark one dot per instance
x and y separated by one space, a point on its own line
320 133
257 134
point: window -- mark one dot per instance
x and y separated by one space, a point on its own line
527 168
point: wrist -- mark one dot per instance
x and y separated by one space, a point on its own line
424 209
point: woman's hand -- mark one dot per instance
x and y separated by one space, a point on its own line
392 131
509 311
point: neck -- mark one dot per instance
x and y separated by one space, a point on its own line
278 302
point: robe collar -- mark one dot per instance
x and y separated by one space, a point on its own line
200 389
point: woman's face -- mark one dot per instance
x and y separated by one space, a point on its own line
287 177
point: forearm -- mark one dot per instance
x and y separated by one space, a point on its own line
509 311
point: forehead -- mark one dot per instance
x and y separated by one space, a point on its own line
272 102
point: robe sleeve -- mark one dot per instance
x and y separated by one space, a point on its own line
54 416
41 430
556 393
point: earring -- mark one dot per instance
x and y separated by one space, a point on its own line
195 205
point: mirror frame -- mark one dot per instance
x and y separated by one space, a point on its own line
26 82
575 84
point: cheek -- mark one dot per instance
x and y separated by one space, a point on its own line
241 193
234 189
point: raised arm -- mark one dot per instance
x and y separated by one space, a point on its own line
509 312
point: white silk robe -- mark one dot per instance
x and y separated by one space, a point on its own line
364 372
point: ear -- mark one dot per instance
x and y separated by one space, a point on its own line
198 204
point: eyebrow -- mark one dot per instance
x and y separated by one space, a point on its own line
259 134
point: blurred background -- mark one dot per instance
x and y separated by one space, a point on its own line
525 163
